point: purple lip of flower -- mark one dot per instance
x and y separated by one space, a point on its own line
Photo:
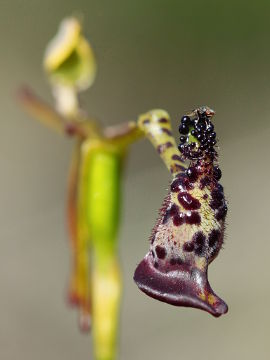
181 286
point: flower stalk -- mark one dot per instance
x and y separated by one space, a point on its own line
94 185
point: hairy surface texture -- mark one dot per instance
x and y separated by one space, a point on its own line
189 232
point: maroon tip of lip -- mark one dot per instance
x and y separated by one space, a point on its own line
180 285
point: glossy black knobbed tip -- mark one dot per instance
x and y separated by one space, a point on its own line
179 285
200 127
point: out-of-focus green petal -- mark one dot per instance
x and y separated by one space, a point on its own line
63 44
69 59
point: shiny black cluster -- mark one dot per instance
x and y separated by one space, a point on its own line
201 128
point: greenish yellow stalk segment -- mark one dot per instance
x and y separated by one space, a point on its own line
156 125
103 162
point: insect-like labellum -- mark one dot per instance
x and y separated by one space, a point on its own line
188 234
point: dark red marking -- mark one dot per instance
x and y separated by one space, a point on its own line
217 199
205 181
213 238
178 220
221 213
161 148
176 157
188 202
181 183
188 246
171 212
146 121
161 252
163 120
177 167
166 131
193 219
199 243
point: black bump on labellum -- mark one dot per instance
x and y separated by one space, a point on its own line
217 173
183 139
192 173
160 251
181 148
184 129
185 119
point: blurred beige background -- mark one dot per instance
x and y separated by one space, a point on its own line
169 54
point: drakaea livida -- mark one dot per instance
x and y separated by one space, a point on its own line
188 234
